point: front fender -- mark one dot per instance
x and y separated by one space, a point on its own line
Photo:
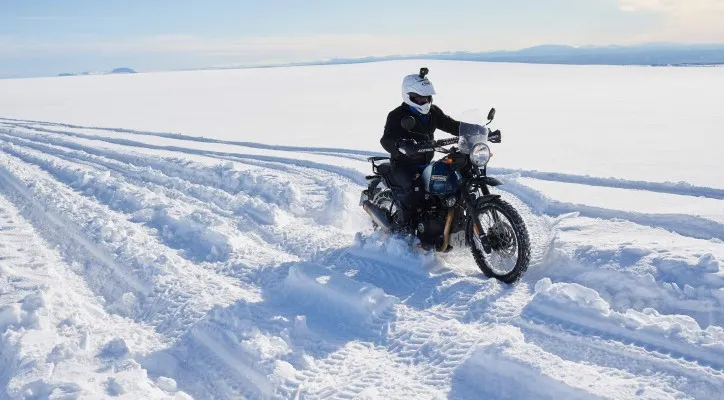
488 198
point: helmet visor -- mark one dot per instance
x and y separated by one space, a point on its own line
420 100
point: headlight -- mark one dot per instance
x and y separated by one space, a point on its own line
480 154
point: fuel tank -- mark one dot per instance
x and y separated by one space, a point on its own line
441 179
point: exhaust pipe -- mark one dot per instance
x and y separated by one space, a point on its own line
377 214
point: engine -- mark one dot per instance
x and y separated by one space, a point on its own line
431 225
441 185
431 222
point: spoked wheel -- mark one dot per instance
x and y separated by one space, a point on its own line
502 249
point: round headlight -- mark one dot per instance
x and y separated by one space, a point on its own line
480 154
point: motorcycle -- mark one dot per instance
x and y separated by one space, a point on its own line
457 201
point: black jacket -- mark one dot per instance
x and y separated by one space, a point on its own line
421 132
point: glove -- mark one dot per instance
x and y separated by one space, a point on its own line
494 137
407 147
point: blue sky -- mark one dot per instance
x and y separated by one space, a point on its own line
49 37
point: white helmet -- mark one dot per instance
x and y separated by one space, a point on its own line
420 86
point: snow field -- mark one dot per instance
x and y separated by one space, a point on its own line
145 264
391 306
58 339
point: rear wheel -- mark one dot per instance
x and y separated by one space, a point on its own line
382 197
502 250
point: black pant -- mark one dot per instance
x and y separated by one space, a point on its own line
408 188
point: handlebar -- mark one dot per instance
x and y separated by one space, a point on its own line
445 142
435 145
432 146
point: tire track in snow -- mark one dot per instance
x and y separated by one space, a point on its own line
684 224
205 348
678 283
293 236
298 192
250 341
515 369
581 308
413 332
205 345
463 300
40 296
18 191
330 151
348 173
433 337
581 345
133 200
680 188
221 178
174 294
214 347
187 226
667 283
437 353
414 337
333 180
687 225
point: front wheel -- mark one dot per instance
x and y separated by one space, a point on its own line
502 250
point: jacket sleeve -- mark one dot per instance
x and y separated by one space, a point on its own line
391 136
446 123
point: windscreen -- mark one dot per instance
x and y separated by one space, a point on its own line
472 130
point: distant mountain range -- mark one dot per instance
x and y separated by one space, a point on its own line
648 54
121 70
654 54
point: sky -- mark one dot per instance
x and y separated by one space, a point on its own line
49 37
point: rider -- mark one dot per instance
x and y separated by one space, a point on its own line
406 162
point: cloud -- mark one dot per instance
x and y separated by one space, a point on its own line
683 20
673 6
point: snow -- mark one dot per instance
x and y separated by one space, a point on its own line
198 235
57 337
574 304
636 123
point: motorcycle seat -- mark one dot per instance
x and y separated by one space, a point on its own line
383 169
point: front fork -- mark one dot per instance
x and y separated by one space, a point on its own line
471 202
486 192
